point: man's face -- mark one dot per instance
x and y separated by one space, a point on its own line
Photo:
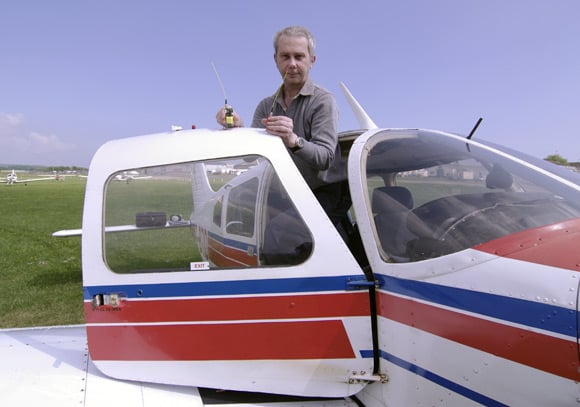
293 59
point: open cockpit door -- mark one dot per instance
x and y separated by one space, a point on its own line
474 252
218 268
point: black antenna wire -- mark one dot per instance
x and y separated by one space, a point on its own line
474 128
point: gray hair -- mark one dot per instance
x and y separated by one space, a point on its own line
296 31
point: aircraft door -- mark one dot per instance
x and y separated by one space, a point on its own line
475 259
242 287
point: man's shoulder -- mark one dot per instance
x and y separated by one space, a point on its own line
321 90
267 99
323 95
313 88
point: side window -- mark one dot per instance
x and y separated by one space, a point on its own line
242 200
217 213
434 196
416 216
147 220
228 213
286 239
457 205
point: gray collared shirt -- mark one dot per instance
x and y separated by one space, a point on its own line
315 115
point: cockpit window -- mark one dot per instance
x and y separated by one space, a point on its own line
241 210
428 199
231 213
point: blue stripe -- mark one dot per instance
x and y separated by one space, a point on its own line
435 378
237 287
538 315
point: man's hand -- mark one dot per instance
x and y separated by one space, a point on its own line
283 127
220 117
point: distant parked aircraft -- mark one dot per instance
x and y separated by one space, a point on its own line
12 178
130 176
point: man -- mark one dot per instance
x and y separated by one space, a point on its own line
305 117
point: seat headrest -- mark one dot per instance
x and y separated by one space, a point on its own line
391 199
498 178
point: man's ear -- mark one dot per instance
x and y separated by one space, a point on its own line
313 59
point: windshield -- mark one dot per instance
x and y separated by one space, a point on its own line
562 171
432 194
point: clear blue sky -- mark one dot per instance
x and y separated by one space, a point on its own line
76 73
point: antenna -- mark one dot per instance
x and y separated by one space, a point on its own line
474 128
229 111
220 82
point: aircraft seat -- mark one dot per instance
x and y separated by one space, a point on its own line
498 178
391 206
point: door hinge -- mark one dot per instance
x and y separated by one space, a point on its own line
358 377
108 300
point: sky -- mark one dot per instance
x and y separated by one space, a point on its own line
77 73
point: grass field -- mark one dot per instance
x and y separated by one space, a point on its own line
167 249
40 276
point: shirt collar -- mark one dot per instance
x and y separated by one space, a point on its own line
307 89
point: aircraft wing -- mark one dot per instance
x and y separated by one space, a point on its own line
68 233
50 366
23 181
47 178
123 228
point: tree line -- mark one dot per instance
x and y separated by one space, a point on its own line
38 168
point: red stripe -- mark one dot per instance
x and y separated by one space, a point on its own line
543 352
228 309
277 341
226 256
553 245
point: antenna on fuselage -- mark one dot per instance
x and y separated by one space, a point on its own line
229 110
474 128
364 120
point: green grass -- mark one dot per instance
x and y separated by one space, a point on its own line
154 250
147 250
40 275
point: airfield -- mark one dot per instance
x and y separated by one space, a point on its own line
41 275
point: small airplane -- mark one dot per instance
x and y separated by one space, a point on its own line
457 285
127 176
12 178
227 168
